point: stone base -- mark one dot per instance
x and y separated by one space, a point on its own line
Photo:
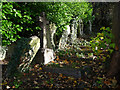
44 56
48 55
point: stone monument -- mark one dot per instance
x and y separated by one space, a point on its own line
64 38
74 30
46 53
90 27
80 27
53 31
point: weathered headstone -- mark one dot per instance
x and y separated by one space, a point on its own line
53 31
46 49
2 52
22 52
74 30
28 58
90 27
80 27
64 38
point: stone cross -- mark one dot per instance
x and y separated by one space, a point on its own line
45 22
46 51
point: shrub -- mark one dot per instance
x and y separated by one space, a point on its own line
102 41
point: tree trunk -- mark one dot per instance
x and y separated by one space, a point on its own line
114 70
116 23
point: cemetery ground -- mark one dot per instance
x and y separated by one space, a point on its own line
92 72
60 45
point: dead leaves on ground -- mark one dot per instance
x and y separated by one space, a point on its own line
36 78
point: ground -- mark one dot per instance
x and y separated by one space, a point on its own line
93 71
95 77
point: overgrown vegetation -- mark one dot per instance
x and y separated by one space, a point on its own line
18 22
103 41
90 57
15 20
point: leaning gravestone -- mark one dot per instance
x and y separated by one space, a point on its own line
22 53
46 50
64 38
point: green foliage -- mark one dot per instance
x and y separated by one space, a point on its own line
81 10
61 13
9 29
19 19
103 41
17 83
15 20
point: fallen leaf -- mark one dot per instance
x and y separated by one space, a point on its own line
75 81
107 82
33 74
13 86
60 75
40 68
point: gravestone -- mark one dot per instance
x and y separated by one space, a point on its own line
90 27
53 31
46 53
64 38
34 45
21 53
80 27
74 30
2 52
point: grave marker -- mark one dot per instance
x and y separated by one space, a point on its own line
80 27
64 38
53 31
74 30
46 51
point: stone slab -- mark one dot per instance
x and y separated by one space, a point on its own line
65 71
